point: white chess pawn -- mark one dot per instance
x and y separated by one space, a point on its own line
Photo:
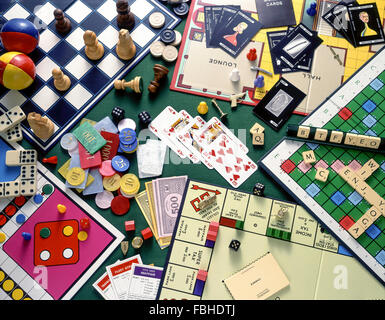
235 75
61 81
125 48
94 50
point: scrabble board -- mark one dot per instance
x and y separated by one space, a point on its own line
317 266
33 269
90 80
197 67
356 107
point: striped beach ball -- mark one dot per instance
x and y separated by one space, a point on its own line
17 70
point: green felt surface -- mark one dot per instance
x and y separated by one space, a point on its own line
241 120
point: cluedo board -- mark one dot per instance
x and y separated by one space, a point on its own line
316 265
57 266
90 80
357 107
198 67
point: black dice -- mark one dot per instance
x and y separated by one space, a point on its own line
117 114
234 244
259 189
144 118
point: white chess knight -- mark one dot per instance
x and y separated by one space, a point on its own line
235 75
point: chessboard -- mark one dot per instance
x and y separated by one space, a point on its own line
33 270
356 107
316 265
90 80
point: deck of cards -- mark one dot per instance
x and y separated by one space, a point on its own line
358 24
211 143
229 28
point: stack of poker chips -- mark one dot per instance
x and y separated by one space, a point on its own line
128 141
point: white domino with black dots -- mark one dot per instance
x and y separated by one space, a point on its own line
11 118
13 135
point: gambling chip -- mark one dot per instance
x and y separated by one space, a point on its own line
103 199
129 184
129 148
69 142
126 124
157 20
181 9
170 53
157 48
111 183
178 38
120 164
106 169
127 136
167 36
120 205
76 176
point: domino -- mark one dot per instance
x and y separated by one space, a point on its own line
13 135
28 179
11 118
15 158
9 189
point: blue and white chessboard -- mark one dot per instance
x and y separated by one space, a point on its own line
90 80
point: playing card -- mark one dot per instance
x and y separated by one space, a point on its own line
231 163
172 130
225 16
160 122
186 137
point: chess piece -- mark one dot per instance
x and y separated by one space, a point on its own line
61 81
125 48
136 84
94 50
42 127
160 73
62 24
125 18
235 75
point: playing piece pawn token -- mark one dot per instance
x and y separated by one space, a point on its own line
2 237
106 169
103 199
69 142
111 183
181 9
157 48
38 198
45 233
126 124
20 218
167 36
68 230
157 20
124 247
137 242
61 208
82 236
120 164
170 53
178 38
120 205
75 176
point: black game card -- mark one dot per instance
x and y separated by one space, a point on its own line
226 15
366 24
275 13
278 104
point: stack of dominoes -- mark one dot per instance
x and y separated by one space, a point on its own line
10 128
25 184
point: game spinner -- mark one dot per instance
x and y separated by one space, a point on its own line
51 243
90 79
350 202
211 244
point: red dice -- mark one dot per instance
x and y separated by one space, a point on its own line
84 223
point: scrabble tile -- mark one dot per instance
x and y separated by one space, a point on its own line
322 174
373 213
303 132
309 156
320 134
374 142
257 128
356 230
351 139
367 169
258 139
363 141
336 136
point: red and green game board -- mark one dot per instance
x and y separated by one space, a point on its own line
358 106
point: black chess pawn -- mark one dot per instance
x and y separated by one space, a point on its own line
125 18
62 24
160 72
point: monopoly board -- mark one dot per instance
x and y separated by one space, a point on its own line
90 80
30 269
197 67
317 266
357 107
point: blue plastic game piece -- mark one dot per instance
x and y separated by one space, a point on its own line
120 164
38 198
181 9
167 36
20 218
127 136
259 82
209 244
198 289
26 236
311 11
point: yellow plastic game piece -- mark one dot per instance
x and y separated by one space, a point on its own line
82 236
76 176
129 183
68 230
112 183
2 237
309 157
61 208
322 174
17 294
2 275
8 285
202 108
